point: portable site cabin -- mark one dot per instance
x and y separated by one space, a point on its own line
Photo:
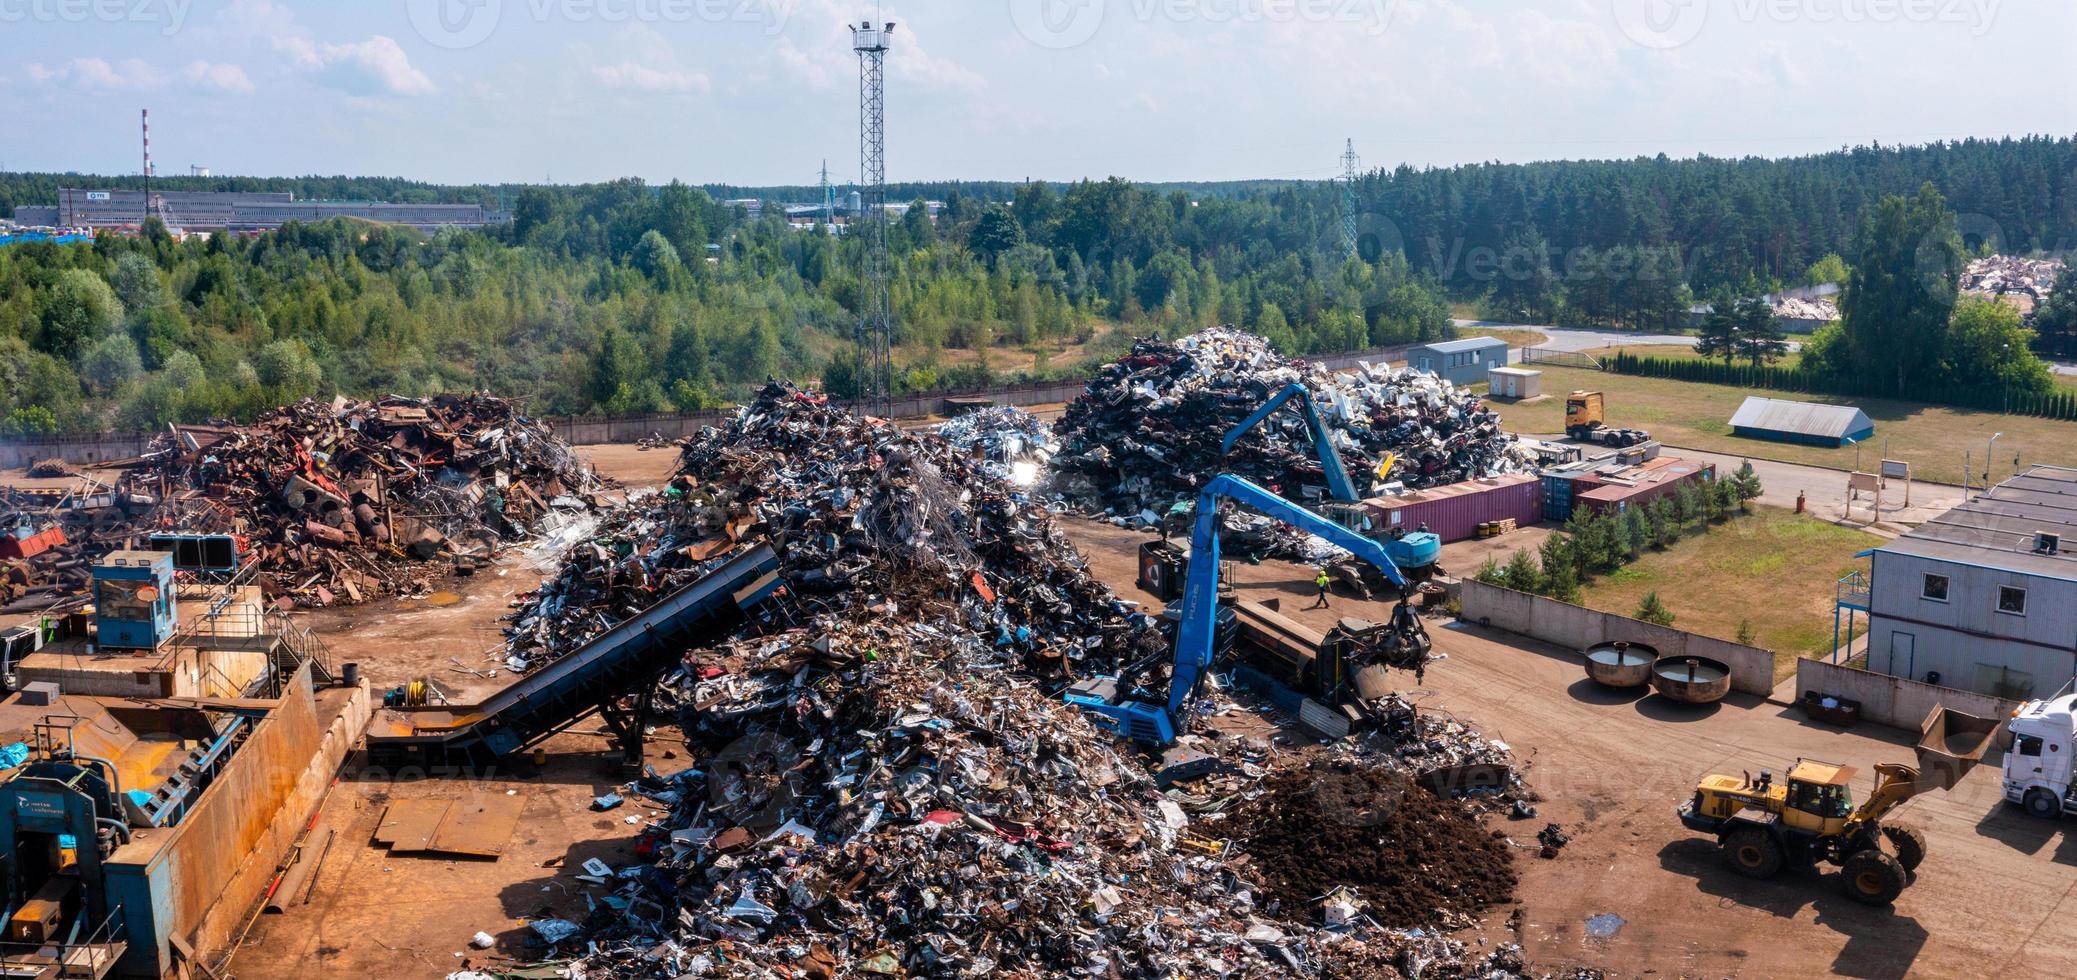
1463 362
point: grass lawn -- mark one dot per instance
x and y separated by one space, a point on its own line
1773 567
1790 360
1514 338
1680 413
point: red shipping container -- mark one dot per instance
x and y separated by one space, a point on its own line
1454 512
1656 479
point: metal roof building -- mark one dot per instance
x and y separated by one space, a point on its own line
1463 362
1808 423
1983 597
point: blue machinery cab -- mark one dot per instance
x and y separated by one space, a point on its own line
134 606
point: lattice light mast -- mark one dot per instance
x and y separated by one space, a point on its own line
1349 163
876 320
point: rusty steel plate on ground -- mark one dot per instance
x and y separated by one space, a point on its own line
478 826
408 825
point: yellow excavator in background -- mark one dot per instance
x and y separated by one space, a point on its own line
1763 825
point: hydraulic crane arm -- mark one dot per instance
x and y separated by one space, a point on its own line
1323 439
1194 641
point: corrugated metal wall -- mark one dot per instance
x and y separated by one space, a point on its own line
1456 515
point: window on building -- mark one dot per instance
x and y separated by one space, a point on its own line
1935 588
2012 600
2026 745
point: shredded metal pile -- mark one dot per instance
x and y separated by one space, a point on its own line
885 781
1147 432
1014 445
344 501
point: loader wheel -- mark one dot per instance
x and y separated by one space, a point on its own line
1874 878
1753 852
1909 844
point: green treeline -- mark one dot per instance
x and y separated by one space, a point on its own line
626 298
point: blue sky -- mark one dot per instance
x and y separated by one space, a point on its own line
761 91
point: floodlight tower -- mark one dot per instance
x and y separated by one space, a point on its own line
876 320
1349 163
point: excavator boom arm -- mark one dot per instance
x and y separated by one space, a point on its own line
1338 482
1194 640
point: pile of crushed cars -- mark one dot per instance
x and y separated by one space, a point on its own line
885 780
346 501
1147 432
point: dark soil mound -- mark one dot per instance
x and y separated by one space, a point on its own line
1410 854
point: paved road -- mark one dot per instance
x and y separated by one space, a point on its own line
1565 339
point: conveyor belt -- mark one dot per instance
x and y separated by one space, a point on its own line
624 660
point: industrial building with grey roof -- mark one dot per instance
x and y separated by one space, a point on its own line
1984 597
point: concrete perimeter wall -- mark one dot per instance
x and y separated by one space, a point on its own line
1577 628
1898 702
585 430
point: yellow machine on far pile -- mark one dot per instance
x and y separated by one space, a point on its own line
1763 825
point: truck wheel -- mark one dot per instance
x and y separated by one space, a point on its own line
1873 878
1752 852
2041 803
1909 844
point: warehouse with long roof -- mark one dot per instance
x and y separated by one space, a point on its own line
1807 423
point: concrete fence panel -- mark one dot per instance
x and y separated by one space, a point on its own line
1898 702
1577 628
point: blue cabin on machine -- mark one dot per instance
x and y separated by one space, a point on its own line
134 606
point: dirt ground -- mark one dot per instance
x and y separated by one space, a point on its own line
632 465
1996 897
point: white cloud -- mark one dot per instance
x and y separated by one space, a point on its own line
646 62
643 78
224 78
98 75
375 66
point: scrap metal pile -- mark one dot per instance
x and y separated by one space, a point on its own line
2023 283
345 501
1014 445
1147 432
885 780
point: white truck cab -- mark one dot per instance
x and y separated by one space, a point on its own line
2038 772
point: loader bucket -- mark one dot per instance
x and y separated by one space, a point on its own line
1950 743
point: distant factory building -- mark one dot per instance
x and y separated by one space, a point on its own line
1463 362
243 211
1808 423
1983 597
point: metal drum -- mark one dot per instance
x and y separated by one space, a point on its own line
1621 664
1694 680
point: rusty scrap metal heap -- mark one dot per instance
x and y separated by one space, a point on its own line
345 501
884 780
1147 431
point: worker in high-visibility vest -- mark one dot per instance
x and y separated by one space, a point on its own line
1323 582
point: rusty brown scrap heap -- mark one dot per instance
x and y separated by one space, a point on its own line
344 501
883 779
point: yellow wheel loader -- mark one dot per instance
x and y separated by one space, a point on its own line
1765 825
